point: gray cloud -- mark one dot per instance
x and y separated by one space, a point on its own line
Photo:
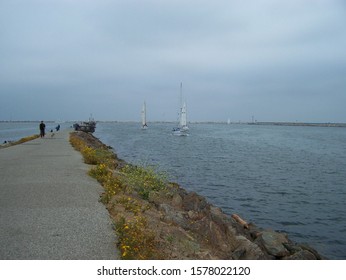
276 60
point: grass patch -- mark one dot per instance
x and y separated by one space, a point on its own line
20 141
130 186
137 242
144 179
26 139
91 155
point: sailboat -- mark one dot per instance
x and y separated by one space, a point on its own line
182 129
144 116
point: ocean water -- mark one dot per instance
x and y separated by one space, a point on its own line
290 179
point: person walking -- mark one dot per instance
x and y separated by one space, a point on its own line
42 129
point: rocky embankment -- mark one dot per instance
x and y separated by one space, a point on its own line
185 226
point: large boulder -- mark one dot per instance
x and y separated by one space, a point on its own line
273 242
301 255
247 250
195 202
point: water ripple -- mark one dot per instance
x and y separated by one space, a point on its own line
277 177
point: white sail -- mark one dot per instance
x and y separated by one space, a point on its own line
144 116
182 129
183 118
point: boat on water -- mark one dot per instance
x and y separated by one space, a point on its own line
144 116
182 129
88 126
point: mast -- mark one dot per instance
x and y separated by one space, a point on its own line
183 121
144 115
183 118
181 96
181 105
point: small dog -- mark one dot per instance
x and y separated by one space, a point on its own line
52 133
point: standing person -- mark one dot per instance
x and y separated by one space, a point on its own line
42 129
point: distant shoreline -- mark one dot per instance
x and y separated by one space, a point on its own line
246 123
329 124
300 124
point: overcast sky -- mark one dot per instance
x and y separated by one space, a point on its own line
274 60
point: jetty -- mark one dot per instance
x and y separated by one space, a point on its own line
158 219
49 206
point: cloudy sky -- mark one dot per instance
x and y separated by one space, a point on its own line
275 60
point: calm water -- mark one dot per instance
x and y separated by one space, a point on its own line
291 179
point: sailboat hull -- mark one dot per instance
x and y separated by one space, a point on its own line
180 132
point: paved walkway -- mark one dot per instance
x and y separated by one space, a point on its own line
49 206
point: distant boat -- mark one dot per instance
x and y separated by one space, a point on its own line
182 129
88 126
229 121
144 116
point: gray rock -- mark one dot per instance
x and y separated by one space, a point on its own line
173 216
177 201
247 250
301 255
273 243
195 202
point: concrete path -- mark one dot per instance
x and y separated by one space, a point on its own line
49 206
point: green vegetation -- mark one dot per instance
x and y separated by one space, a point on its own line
126 188
90 154
144 179
137 242
20 141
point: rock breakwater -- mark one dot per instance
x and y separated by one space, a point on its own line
172 223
